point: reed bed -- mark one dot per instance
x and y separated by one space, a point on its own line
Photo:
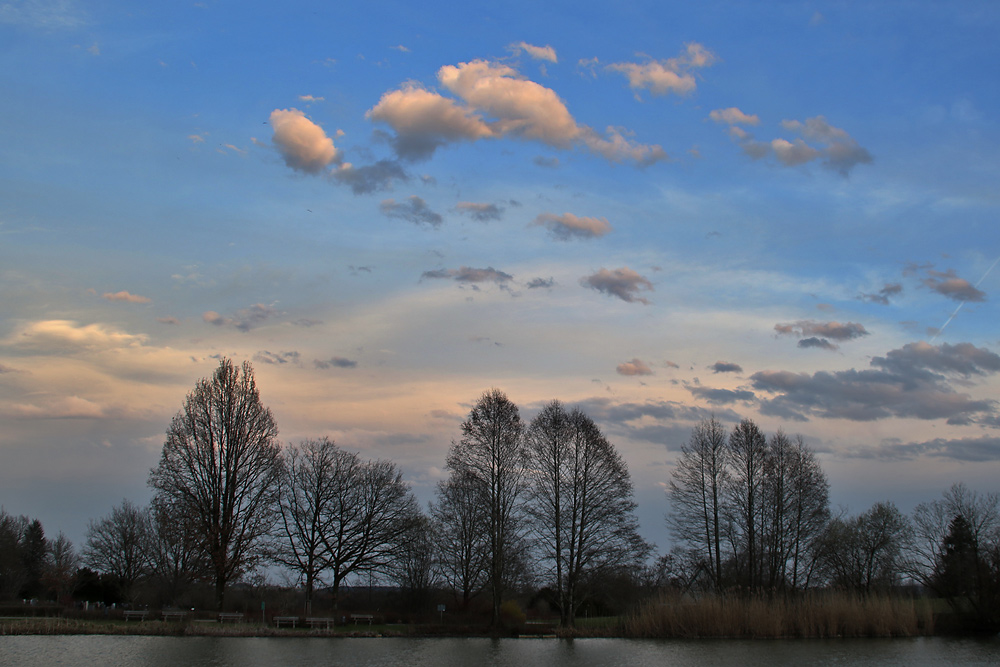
813 615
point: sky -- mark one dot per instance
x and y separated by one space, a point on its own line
654 211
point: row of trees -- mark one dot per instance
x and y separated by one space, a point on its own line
553 494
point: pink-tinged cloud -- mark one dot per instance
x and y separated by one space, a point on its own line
302 143
537 52
661 77
496 101
733 116
623 283
634 367
126 297
67 336
568 226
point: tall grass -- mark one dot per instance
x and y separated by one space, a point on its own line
811 615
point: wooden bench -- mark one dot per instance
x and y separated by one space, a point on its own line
362 617
135 613
285 620
173 615
316 622
233 616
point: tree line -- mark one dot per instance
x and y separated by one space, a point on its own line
545 505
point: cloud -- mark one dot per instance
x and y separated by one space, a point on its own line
834 330
43 14
568 226
168 320
833 145
911 382
733 116
334 362
424 120
536 283
481 212
821 343
375 177
496 102
302 143
68 336
721 396
244 320
546 162
882 296
276 358
661 77
726 367
126 297
309 99
537 52
974 450
468 274
634 367
946 283
623 283
414 210
672 419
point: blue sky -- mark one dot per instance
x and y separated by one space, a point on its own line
656 211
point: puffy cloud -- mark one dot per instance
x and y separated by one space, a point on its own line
536 283
537 52
424 120
623 283
673 75
478 211
69 336
634 367
414 210
733 116
946 283
126 297
721 396
882 296
468 274
726 367
794 153
302 143
244 320
369 178
908 382
568 226
334 362
514 106
836 148
672 419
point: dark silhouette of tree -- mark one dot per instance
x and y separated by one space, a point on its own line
490 452
698 496
746 519
412 567
172 550
219 469
13 573
62 564
865 553
579 501
461 535
117 546
35 553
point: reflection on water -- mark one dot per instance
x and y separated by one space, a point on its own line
364 652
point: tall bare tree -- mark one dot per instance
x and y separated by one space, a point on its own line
220 467
172 550
748 454
579 500
698 488
117 545
461 535
490 451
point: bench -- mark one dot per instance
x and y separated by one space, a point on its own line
171 615
285 620
233 616
135 613
362 617
316 622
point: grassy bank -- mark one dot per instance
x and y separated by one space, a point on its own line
815 615
71 626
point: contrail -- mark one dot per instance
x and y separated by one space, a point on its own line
948 321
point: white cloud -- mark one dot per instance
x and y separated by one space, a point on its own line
567 226
69 335
126 297
302 143
733 116
673 75
634 367
537 52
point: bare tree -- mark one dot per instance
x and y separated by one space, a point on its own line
117 545
461 534
808 511
220 467
63 562
13 573
412 567
172 549
580 503
748 454
865 553
490 451
698 488
369 516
